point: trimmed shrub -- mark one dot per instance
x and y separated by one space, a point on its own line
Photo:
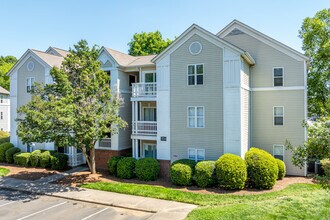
147 169
10 154
262 169
281 169
3 148
231 171
325 163
126 168
59 161
44 159
22 159
181 174
205 173
34 158
112 164
190 163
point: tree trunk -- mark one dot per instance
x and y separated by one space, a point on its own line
92 160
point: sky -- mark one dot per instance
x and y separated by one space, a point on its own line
39 24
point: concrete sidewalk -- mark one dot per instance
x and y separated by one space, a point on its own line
162 209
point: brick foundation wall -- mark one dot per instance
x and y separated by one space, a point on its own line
102 156
164 169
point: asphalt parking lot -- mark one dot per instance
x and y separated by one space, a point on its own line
20 205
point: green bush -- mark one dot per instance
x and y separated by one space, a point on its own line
59 161
112 164
231 171
281 169
205 173
22 159
147 169
190 163
126 168
34 158
10 154
181 174
3 148
325 163
262 169
44 159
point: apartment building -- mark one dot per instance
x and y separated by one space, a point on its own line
4 110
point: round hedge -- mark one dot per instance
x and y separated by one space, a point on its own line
262 169
190 163
126 168
112 164
22 159
205 173
181 174
44 159
231 171
147 169
10 154
3 148
281 169
35 157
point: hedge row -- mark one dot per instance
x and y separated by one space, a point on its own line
145 169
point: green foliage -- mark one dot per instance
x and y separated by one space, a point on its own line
205 173
76 110
10 154
190 163
126 168
22 159
3 171
281 169
112 164
315 33
181 174
231 171
325 180
3 148
262 169
6 63
34 158
44 159
59 161
147 43
147 169
316 147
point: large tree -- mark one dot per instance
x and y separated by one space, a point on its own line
315 33
6 63
76 110
147 43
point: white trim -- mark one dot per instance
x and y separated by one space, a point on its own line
279 145
201 48
29 83
144 76
278 88
150 144
278 116
195 74
273 76
195 116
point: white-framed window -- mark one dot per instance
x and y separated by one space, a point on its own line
196 117
149 150
196 154
278 113
278 151
195 74
278 76
30 84
1 115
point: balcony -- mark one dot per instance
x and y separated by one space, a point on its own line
144 90
144 128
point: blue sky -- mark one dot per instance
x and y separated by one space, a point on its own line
61 23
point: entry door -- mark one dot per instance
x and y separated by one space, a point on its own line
149 114
149 151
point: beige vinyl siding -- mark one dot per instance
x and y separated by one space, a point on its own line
245 94
209 95
265 134
245 74
125 113
266 58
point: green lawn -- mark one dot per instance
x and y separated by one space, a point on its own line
297 201
3 171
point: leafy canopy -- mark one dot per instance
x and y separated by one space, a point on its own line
6 63
148 43
77 109
315 33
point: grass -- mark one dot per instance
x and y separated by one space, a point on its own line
3 171
297 201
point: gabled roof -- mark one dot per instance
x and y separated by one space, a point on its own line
193 27
50 59
57 51
235 24
3 91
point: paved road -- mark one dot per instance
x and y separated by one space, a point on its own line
20 205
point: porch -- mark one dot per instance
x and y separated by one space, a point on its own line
144 148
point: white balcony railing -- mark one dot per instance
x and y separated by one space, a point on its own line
105 143
76 159
146 90
144 127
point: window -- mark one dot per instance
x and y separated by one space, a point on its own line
196 117
149 151
278 115
30 84
195 74
1 115
278 151
196 154
278 76
150 77
132 79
